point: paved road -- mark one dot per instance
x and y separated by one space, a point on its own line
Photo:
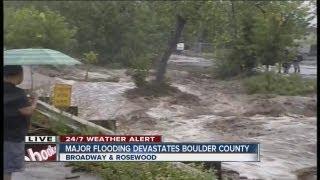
308 68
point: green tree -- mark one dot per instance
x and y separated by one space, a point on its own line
182 12
264 30
138 33
276 30
121 32
90 58
28 27
238 39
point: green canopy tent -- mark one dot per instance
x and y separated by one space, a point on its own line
37 57
31 57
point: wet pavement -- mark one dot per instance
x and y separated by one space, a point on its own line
308 68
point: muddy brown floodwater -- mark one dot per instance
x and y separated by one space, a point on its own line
218 111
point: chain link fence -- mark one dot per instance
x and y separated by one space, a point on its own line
203 49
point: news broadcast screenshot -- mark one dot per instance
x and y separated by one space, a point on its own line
160 90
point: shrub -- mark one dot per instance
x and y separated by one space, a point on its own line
271 83
141 170
139 77
90 58
231 63
226 68
140 70
58 127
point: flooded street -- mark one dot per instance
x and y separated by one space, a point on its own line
208 110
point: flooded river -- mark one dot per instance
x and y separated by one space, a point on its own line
288 139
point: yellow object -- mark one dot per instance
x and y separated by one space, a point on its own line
62 95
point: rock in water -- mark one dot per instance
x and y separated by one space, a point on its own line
309 173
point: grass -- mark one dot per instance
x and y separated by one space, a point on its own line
141 170
272 83
58 127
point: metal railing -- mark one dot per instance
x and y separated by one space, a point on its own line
71 121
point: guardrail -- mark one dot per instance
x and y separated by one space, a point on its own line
72 121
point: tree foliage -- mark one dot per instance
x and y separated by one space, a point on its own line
136 33
90 58
264 30
276 30
28 27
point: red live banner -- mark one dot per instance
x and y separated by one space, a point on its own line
108 138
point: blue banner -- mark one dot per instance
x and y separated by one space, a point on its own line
159 148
